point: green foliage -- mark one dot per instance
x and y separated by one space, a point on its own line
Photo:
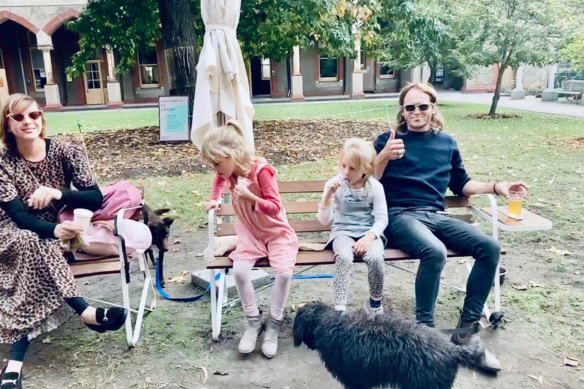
573 51
270 29
126 26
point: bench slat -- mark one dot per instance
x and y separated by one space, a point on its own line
325 257
226 209
88 268
298 226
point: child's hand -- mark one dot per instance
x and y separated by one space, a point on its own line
362 245
329 190
241 190
212 204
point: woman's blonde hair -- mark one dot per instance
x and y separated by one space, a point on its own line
17 102
437 121
229 141
360 153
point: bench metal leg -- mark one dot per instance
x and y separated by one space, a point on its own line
217 301
133 332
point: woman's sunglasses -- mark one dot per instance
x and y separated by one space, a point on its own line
422 107
34 115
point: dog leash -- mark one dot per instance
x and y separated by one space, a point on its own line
180 299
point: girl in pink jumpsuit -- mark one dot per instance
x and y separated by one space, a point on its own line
262 228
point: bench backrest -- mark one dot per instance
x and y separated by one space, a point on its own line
301 198
573 85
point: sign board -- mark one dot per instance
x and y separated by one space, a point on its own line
174 118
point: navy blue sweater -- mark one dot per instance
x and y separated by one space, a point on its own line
431 164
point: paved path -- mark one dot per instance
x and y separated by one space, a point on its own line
530 103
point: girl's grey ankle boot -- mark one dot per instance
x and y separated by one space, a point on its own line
253 328
270 343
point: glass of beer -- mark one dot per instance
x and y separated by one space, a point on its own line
516 197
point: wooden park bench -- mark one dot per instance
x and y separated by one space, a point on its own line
301 212
121 265
572 90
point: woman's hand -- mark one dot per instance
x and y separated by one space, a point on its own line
362 245
43 196
67 230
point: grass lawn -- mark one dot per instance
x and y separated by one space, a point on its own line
546 151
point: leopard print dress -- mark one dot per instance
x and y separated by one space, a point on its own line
34 275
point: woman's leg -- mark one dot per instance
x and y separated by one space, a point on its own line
11 375
98 319
343 249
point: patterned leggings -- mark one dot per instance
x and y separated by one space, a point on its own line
343 249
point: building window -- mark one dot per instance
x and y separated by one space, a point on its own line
265 69
38 69
362 58
148 62
386 71
328 68
92 75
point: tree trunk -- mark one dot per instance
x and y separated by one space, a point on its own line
178 35
432 73
497 94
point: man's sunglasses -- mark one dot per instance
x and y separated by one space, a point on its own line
34 115
422 107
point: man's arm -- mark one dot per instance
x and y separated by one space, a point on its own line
497 188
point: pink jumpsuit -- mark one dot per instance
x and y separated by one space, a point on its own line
262 230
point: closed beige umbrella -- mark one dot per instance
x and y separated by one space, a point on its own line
222 89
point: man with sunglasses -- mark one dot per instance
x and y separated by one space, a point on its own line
416 165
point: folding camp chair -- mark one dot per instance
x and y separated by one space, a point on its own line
121 264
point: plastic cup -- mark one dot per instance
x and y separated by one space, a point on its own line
82 216
516 198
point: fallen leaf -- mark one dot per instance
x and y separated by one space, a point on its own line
570 361
538 379
577 272
205 373
555 250
535 284
47 340
520 286
219 372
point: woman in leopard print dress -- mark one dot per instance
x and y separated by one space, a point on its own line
36 175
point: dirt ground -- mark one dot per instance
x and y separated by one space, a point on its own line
543 300
176 350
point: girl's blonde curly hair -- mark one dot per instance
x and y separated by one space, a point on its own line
229 141
361 154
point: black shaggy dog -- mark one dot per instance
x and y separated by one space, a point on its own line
387 351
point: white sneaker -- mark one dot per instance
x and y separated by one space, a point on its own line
489 362
370 311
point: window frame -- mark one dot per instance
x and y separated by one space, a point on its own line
156 65
336 77
385 75
32 67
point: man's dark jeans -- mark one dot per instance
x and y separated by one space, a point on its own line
426 235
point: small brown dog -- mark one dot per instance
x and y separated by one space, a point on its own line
160 229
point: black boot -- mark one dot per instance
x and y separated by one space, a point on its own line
468 331
10 380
